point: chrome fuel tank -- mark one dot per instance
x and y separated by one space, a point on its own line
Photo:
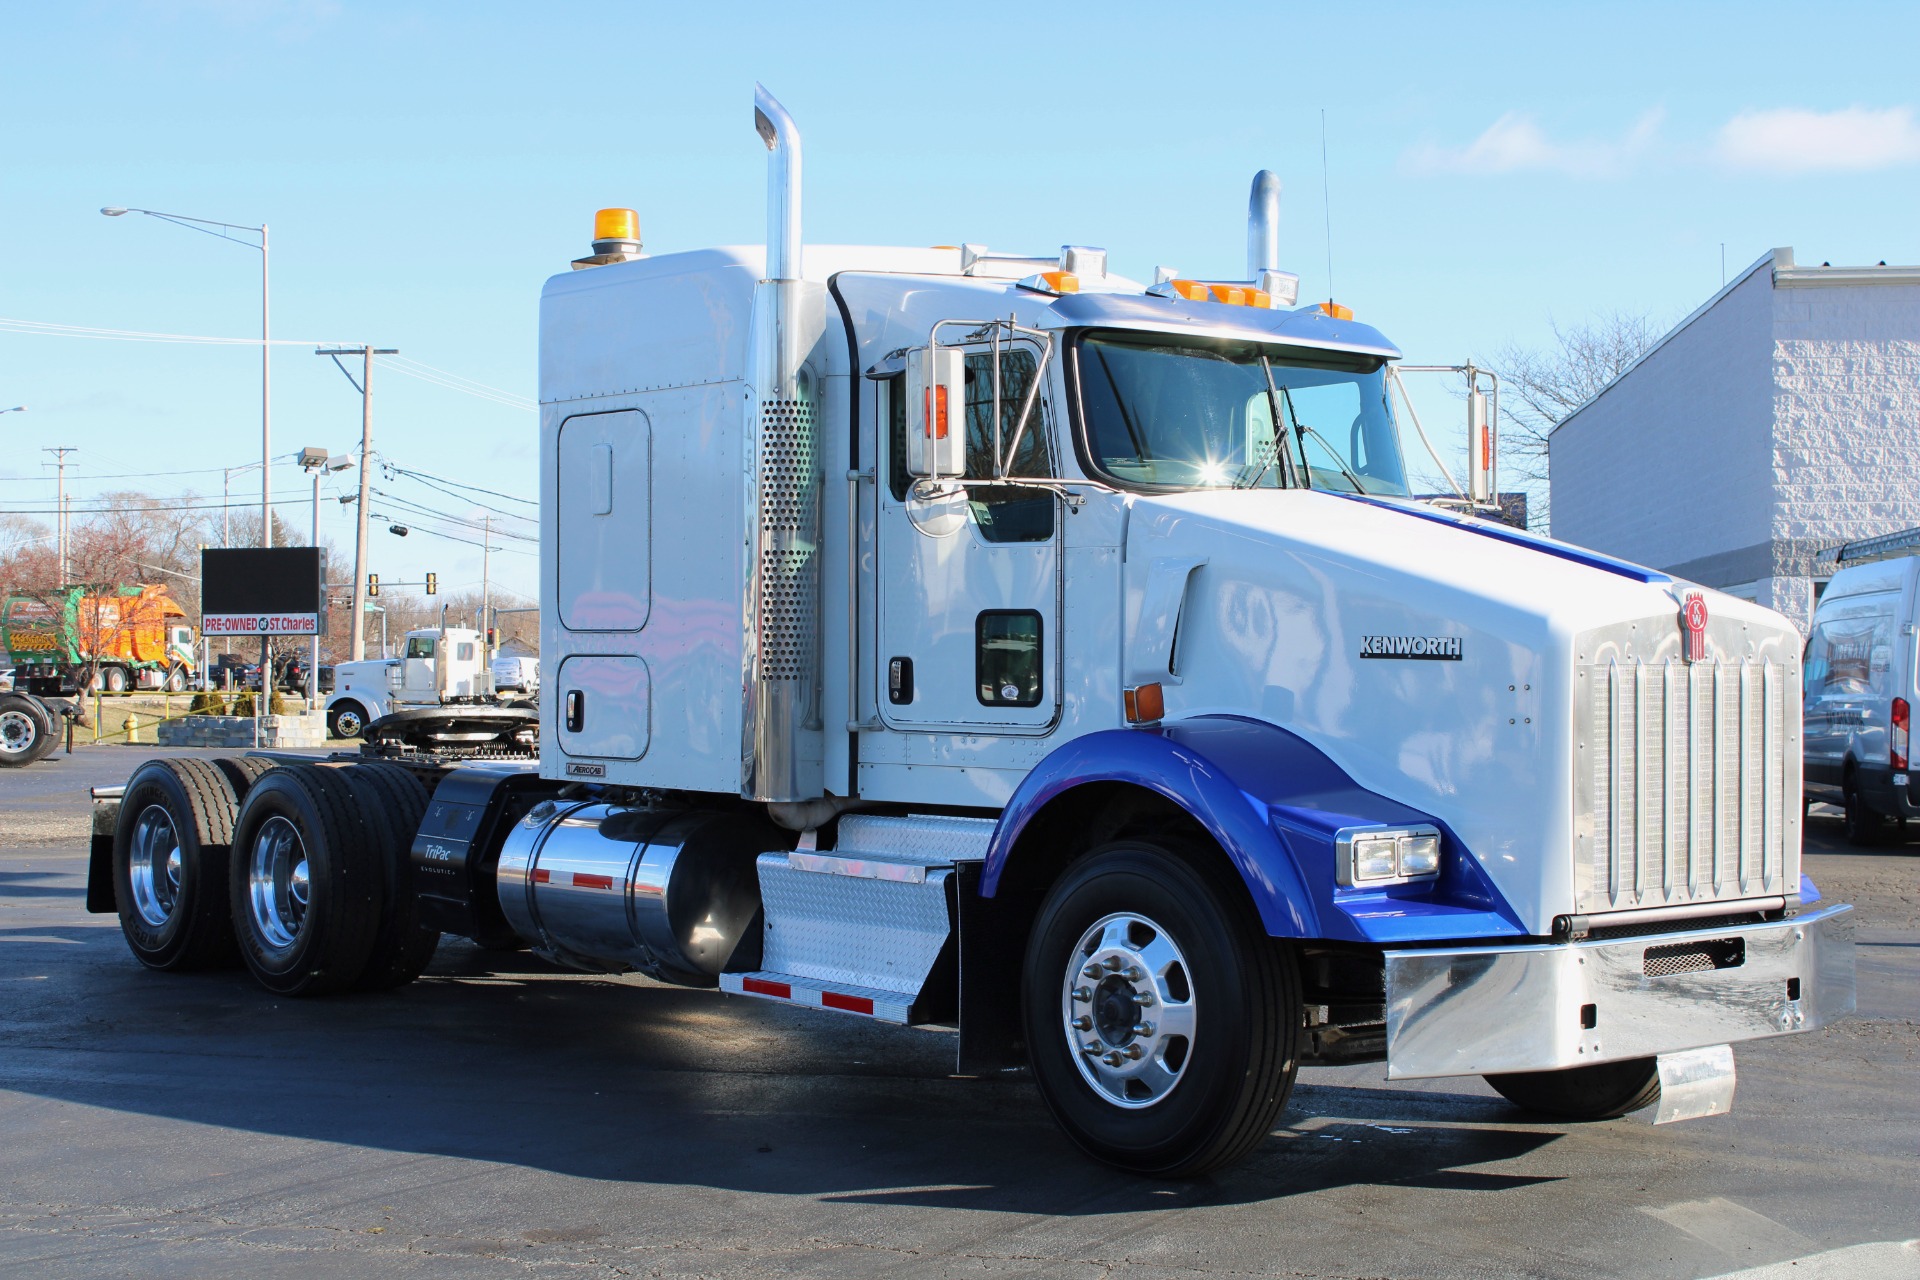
607 889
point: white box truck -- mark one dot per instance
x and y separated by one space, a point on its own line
1001 646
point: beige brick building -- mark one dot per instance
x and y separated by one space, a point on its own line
1778 420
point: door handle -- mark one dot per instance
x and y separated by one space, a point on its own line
576 710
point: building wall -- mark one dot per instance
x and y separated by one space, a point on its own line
1674 462
1846 408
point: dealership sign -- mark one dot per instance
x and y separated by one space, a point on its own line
260 624
269 591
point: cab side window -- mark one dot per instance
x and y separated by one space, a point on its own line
420 647
1003 513
1008 513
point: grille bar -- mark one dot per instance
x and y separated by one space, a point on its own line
1685 783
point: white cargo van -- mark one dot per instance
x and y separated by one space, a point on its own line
1859 672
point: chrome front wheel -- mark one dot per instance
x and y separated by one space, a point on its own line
155 866
1127 1005
278 888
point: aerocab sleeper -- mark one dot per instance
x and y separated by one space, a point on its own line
993 644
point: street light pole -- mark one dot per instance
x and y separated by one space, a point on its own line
220 229
365 388
60 505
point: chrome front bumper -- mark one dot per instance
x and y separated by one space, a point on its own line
1541 1008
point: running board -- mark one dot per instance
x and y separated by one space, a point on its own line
866 927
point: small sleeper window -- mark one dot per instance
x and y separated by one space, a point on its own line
1007 660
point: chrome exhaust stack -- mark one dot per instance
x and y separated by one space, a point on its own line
1263 241
782 736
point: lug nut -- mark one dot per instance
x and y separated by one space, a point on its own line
1135 1052
1143 998
1083 1023
1093 971
1083 994
1114 963
1134 973
1114 1058
1143 1028
1091 1050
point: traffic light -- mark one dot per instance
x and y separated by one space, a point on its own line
433 584
373 584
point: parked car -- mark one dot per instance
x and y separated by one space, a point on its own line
516 673
1859 687
230 670
290 674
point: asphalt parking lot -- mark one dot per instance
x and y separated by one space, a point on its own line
500 1119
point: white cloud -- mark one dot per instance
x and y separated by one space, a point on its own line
1515 143
1791 140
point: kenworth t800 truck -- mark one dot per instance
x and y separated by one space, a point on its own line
1001 646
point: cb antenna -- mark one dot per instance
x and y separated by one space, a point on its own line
1326 201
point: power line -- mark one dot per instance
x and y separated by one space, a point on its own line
390 465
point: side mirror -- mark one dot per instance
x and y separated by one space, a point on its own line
936 412
1479 450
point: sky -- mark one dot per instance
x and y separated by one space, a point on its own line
1489 171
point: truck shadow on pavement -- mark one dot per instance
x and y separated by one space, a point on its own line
496 1058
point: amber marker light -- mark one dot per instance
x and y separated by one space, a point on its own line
1337 311
616 224
1145 704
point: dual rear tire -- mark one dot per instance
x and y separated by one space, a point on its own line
300 872
321 881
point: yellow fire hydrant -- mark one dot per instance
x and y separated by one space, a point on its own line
132 725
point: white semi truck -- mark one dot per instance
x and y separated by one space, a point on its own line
436 666
1001 646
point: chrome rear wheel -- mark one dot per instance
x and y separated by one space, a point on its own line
278 888
155 866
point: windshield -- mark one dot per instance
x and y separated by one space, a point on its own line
1167 414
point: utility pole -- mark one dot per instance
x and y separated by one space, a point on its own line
60 453
486 590
365 388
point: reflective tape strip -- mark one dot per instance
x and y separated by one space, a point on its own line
852 1004
581 880
538 875
761 987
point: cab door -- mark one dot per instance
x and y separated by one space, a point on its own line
969 576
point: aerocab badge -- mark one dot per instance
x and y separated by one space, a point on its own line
1693 626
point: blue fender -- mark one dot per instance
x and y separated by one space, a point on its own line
1273 802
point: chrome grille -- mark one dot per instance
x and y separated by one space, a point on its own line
1688 782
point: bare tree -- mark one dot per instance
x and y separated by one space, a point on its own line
1541 386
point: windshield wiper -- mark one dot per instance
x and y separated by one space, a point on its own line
1333 453
1292 481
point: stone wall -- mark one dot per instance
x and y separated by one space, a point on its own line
307 730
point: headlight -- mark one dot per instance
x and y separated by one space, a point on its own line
1367 857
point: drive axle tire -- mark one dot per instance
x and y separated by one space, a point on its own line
171 849
1599 1092
114 679
1161 1020
26 732
397 802
346 719
306 885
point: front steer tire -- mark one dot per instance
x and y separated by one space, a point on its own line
171 851
306 886
1598 1092
1241 1006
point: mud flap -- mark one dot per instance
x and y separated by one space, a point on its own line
106 816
